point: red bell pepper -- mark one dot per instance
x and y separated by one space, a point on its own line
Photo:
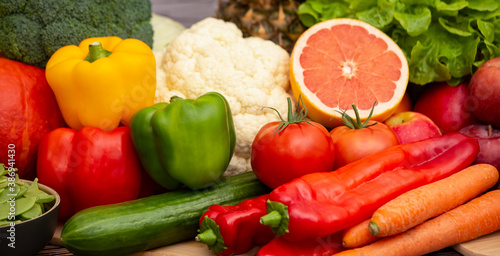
90 167
324 246
319 204
229 230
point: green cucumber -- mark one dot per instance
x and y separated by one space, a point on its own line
151 222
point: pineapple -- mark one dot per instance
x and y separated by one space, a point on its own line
275 20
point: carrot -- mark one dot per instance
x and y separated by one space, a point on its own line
358 235
425 202
476 218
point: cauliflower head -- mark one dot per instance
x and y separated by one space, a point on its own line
252 73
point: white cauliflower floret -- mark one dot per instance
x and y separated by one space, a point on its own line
252 73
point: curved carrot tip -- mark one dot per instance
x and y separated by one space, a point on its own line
374 229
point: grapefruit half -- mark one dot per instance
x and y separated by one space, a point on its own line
340 62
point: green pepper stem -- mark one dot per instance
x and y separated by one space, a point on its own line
96 52
207 237
272 219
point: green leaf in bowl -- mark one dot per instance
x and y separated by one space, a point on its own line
22 205
34 212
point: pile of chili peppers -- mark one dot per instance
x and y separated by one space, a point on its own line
307 215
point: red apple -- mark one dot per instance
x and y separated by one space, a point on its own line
447 106
489 143
484 89
412 126
28 110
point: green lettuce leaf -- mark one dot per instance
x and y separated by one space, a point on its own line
483 5
416 22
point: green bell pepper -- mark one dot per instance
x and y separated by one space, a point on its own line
185 141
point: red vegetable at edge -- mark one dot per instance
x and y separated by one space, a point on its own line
90 167
29 110
319 204
229 230
323 246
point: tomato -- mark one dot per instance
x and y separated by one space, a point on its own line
280 155
357 140
299 149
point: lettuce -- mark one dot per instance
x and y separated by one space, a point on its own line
443 40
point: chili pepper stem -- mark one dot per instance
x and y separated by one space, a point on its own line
207 237
277 217
96 52
272 219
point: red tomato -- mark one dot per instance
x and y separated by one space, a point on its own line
354 144
299 149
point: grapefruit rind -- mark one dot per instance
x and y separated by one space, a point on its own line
329 116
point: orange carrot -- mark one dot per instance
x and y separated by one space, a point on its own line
476 218
358 235
423 203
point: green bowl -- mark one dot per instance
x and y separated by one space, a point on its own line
31 236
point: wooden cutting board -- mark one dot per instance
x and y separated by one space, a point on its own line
488 245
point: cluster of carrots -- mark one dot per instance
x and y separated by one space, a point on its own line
432 217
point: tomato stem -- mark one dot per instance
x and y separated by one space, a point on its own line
356 124
293 118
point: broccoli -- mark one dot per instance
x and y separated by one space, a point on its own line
32 30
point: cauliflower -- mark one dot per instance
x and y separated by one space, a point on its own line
252 73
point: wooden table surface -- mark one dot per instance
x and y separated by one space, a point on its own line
189 12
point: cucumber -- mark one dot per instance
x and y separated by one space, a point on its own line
151 222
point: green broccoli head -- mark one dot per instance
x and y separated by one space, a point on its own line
20 40
32 30
74 31
11 6
143 30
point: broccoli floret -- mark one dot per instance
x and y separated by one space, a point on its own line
11 6
74 31
45 11
19 39
32 30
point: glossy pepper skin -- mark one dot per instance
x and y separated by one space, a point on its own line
185 141
102 86
336 200
322 246
90 167
230 230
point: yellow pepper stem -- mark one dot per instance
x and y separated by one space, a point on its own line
96 51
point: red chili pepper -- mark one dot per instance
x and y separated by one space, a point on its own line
90 167
229 230
324 246
319 204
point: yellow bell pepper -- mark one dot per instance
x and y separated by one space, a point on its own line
103 86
